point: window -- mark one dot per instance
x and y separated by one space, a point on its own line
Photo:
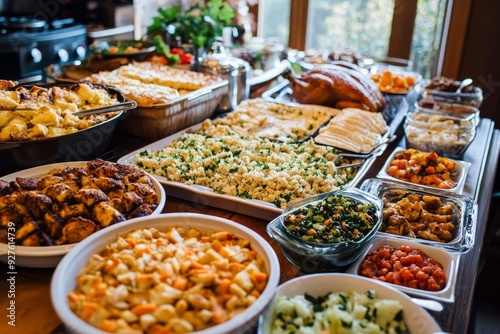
378 29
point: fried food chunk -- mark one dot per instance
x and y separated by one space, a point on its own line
67 204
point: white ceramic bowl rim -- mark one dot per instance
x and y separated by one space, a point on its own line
417 318
96 242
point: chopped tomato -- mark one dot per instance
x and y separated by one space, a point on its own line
177 51
186 58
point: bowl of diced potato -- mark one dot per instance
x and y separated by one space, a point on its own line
173 273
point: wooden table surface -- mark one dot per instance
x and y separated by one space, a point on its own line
35 314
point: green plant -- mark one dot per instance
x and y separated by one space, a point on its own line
199 24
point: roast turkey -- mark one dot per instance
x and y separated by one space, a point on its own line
336 86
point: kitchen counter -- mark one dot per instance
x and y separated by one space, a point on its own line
35 314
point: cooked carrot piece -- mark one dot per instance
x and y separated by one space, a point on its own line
109 325
180 283
143 309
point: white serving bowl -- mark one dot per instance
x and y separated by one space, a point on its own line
49 256
416 318
64 278
448 259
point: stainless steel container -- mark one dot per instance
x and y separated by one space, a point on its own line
220 61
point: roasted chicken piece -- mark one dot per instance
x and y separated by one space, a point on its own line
90 197
107 184
26 229
76 229
28 183
5 188
142 210
68 211
138 177
338 87
53 224
49 180
106 215
60 192
131 201
36 203
145 191
16 213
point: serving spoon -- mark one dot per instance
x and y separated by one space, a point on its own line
465 82
94 111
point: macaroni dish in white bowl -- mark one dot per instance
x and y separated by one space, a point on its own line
175 273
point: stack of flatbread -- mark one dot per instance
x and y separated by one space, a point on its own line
354 130
150 83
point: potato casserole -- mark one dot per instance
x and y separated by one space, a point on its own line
46 112
175 280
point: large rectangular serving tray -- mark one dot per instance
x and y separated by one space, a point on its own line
464 216
158 121
204 196
393 113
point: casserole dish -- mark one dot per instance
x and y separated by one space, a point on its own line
84 144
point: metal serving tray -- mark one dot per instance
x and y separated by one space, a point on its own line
204 196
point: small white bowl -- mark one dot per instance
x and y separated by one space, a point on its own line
65 276
49 256
448 259
462 167
416 318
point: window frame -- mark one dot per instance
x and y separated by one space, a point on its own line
454 31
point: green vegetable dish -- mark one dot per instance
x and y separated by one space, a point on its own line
334 219
343 312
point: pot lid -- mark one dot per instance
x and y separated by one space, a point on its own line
220 60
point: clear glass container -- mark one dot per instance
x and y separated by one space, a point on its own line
463 213
446 134
454 109
322 257
426 95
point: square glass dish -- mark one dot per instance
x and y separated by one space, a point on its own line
470 112
327 232
431 217
451 179
427 93
400 275
446 134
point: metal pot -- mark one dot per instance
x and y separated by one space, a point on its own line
79 146
221 62
83 145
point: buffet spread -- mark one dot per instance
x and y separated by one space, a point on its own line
298 160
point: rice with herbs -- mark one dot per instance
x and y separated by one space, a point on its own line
247 166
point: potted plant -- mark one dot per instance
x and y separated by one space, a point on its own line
198 25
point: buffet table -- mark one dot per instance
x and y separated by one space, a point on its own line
35 314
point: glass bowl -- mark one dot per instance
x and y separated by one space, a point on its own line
325 256
453 109
428 95
446 134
